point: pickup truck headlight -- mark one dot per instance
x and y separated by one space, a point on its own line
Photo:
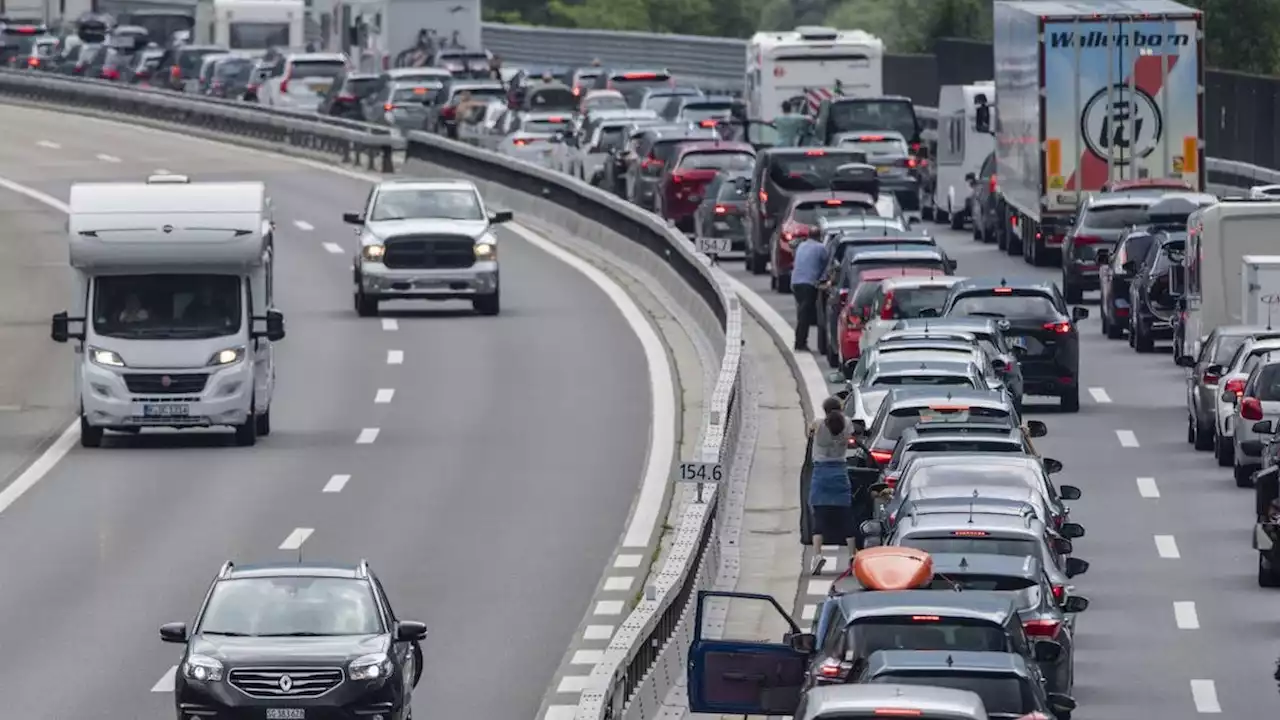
230 356
202 668
486 251
374 666
105 357
373 252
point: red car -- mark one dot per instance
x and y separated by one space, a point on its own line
856 309
696 164
800 220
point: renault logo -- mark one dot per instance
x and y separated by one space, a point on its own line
286 683
166 381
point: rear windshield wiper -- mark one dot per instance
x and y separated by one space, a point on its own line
984 313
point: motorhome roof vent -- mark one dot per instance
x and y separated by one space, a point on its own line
815 32
168 180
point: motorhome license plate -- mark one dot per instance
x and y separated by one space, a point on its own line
286 713
167 410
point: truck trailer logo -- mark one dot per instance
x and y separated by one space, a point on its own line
1122 123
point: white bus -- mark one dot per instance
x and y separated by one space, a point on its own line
251 26
814 63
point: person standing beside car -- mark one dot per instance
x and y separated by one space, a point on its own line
806 273
830 492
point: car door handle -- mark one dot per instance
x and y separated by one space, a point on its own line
743 677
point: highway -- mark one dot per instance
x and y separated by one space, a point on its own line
1177 626
478 463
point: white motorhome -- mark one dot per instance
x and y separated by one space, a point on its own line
173 300
378 33
814 63
1219 237
963 145
251 26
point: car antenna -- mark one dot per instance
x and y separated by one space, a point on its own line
971 501
950 662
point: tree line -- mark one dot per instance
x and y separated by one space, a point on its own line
1243 35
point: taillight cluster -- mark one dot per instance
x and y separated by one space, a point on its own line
1061 328
1041 628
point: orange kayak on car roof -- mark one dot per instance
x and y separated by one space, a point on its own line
892 568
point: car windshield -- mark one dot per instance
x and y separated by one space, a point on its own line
1267 388
861 115
317 68
1136 247
611 138
910 302
436 203
924 378
717 161
1009 547
811 171
544 126
902 418
968 581
605 102
1020 306
189 60
419 94
166 306
291 606
234 71
929 633
1003 695
695 112
808 213
1114 217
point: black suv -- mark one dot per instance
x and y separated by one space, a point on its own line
296 641
1098 228
1039 322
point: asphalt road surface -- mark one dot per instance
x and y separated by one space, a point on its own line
1177 626
490 494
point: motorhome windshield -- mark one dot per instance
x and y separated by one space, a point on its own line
257 35
166 306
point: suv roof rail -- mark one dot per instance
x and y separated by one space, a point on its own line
362 569
225 572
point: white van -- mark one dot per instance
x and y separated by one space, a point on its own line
962 146
251 26
173 294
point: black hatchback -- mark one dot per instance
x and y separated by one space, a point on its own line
1098 227
1039 322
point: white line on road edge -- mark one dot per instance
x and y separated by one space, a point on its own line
598 632
36 195
1147 487
296 538
304 225
336 483
41 467
384 396
166 681
390 324
662 433
1184 614
108 158
1167 547
49 144
1100 395
1205 695
1127 438
334 248
367 436
395 357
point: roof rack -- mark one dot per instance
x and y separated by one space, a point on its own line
362 569
226 570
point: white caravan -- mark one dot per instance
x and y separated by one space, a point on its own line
251 26
1218 239
962 146
173 299
814 63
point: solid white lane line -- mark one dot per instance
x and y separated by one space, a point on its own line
1184 614
334 248
49 144
390 324
662 430
367 436
36 471
1167 547
336 483
166 681
296 538
384 396
395 357
304 225
609 607
573 684
619 582
587 657
1147 488
108 158
598 632
1100 395
627 561
34 194
1205 695
1127 438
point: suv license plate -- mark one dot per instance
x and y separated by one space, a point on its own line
286 714
167 410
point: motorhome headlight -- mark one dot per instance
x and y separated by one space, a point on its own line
486 251
105 357
230 356
374 252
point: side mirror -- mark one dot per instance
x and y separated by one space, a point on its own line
859 427
843 394
500 217
1047 651
1071 530
353 218
970 178
871 528
1074 567
951 265
1037 429
174 632
803 642
1075 604
275 326
1103 256
60 330
1263 427
1130 267
1052 466
410 631
1061 705
1079 313
1186 361
1063 546
1069 492
835 377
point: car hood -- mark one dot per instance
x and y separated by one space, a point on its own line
267 650
383 229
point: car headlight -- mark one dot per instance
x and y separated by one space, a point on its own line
230 356
105 357
486 251
373 252
202 668
370 667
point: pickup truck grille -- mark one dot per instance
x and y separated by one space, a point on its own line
429 253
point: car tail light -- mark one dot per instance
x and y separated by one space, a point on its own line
284 82
650 163
844 295
688 176
925 618
882 456
1087 239
79 68
521 142
33 62
1210 378
1124 313
891 480
911 162
722 210
1251 409
1059 593
1062 328
1041 628
991 185
833 202
577 91
251 87
448 112
114 74
175 73
833 670
1235 385
886 311
707 123
342 97
388 107
815 153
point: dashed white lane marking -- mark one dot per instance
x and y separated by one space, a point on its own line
108 158
598 632
1167 547
561 712
49 144
390 324
627 561
609 607
1184 614
573 684
587 657
1127 438
166 681
304 225
367 436
395 357
296 538
1147 488
334 248
618 583
384 396
808 612
1100 395
336 483
1205 695
819 587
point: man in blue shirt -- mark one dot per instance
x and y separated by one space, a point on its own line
806 272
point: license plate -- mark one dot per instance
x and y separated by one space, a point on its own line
1019 341
167 410
713 245
720 225
320 88
286 713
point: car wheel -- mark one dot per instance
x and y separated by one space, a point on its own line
1204 437
247 432
1142 341
90 436
957 220
1224 451
1243 475
487 304
1071 400
365 306
1268 576
264 423
940 217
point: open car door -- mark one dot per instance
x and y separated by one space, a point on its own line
736 677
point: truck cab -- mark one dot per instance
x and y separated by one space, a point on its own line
172 313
